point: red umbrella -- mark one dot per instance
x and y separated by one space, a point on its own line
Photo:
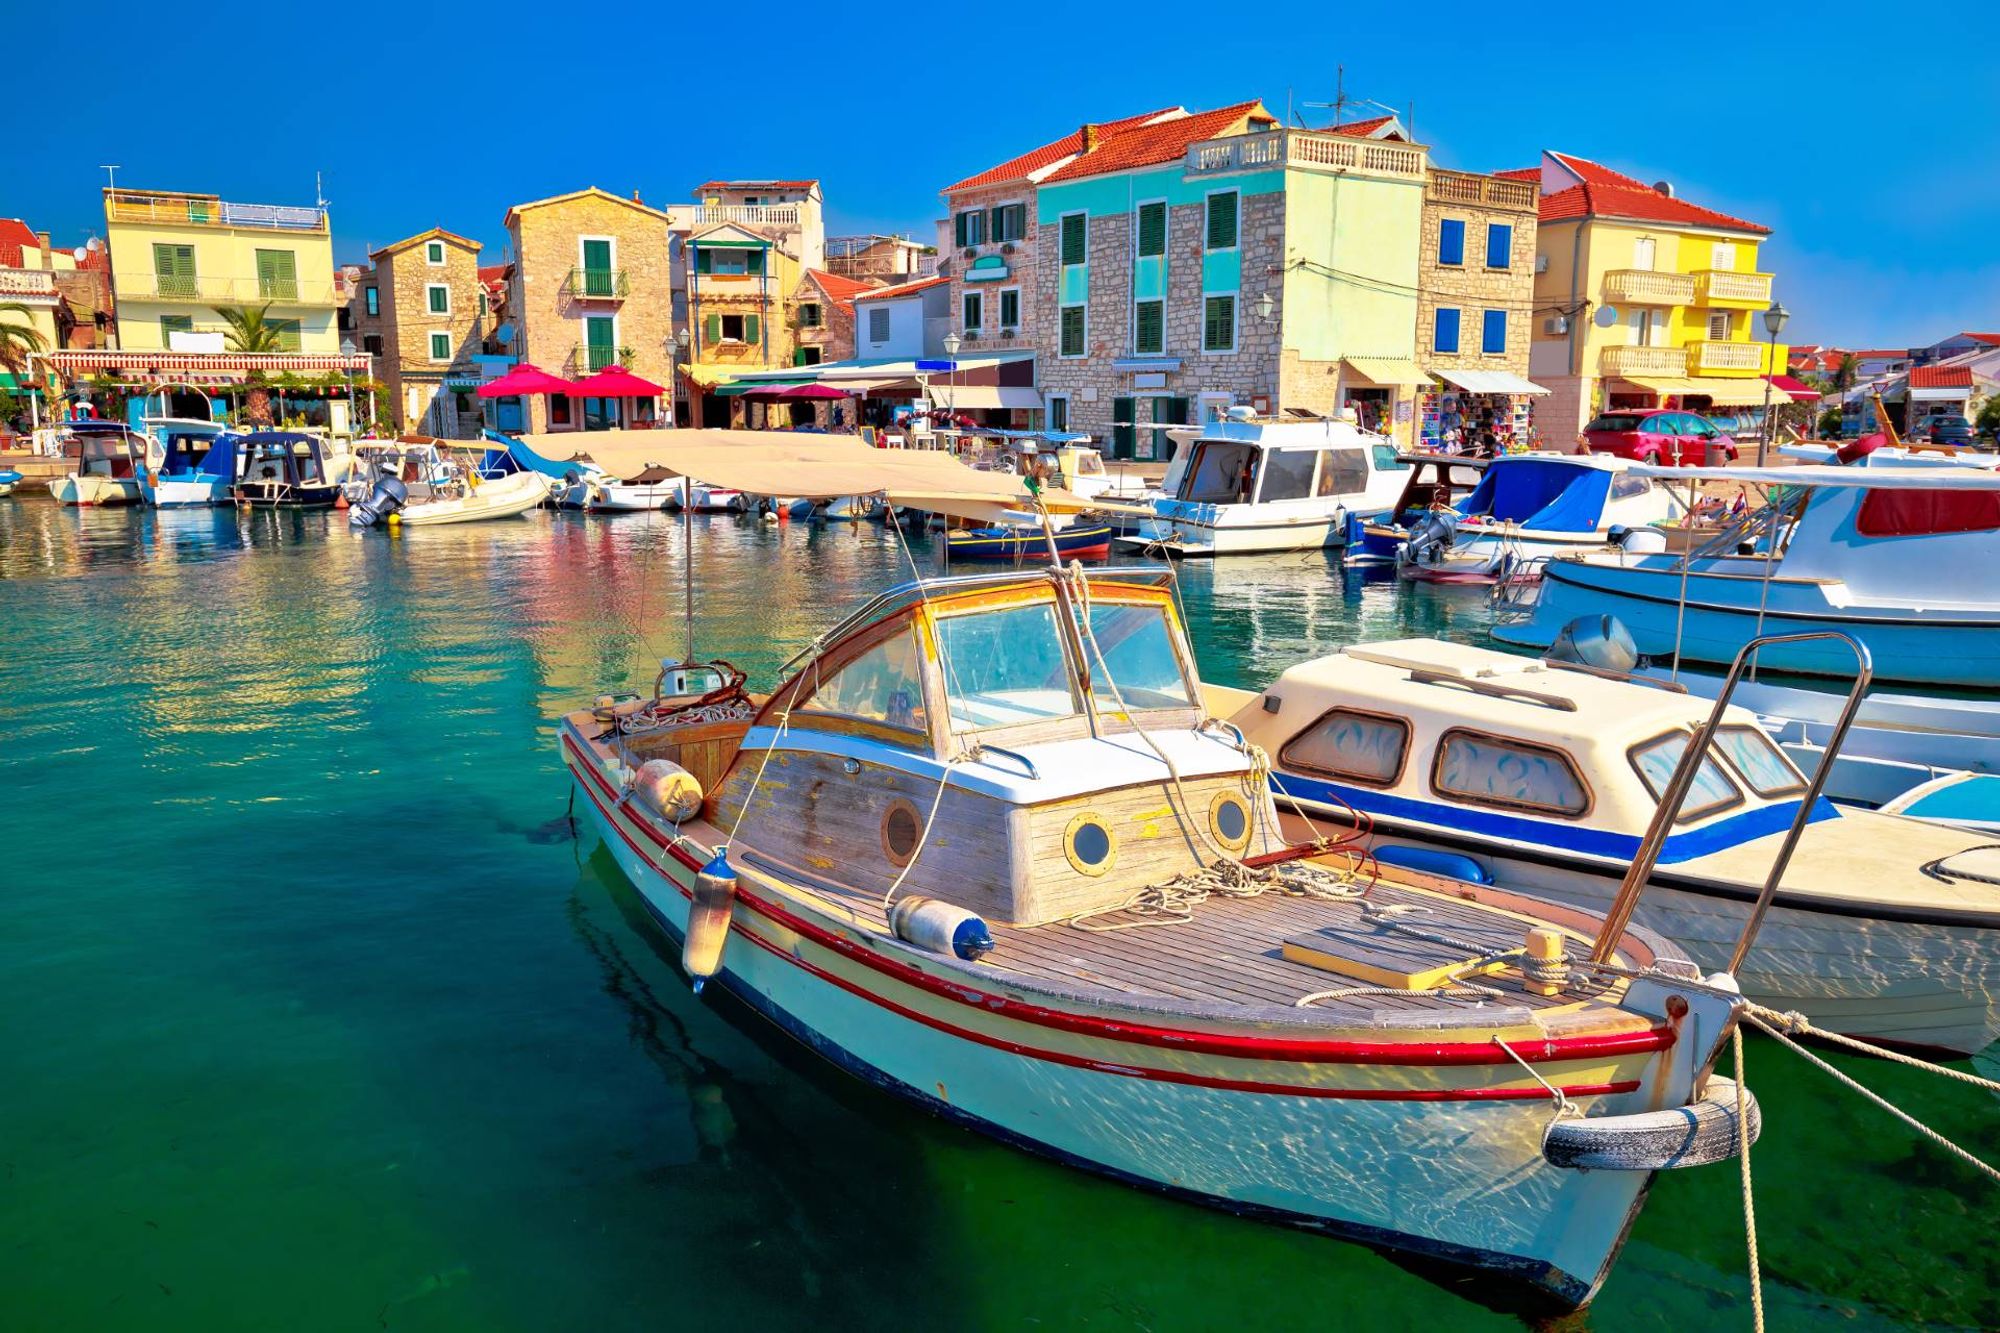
816 391
524 379
614 381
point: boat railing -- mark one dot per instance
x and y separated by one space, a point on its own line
1674 797
1494 689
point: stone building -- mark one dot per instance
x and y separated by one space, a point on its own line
434 320
592 287
822 317
1475 307
880 260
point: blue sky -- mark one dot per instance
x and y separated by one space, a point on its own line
1883 185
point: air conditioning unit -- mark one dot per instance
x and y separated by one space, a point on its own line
1541 263
1556 325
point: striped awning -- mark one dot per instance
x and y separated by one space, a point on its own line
94 361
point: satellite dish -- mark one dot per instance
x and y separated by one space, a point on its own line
81 255
1606 316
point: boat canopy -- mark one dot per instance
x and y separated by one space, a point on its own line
198 453
1547 494
1942 478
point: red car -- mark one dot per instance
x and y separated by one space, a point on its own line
1667 438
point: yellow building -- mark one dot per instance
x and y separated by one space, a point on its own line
178 258
1642 299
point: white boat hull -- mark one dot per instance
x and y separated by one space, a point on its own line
88 490
501 497
188 494
1462 1180
1194 539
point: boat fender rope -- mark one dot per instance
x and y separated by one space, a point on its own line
1749 1197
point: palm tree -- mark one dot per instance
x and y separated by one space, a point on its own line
249 331
18 340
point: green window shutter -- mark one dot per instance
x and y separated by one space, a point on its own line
439 298
1218 332
1149 332
799 356
1123 432
704 261
172 324
277 275
753 329
958 230
597 256
753 263
173 268
1074 238
598 332
1222 221
1152 229
440 347
1072 330
1172 411
288 334
711 330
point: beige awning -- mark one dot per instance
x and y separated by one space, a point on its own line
985 397
1388 371
805 465
1490 381
1721 392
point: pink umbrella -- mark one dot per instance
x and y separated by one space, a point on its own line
816 391
524 379
614 381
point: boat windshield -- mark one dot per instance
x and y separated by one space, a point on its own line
1138 648
1711 790
1222 472
1006 666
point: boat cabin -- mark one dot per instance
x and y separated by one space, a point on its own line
1481 742
103 449
284 468
1254 462
1435 481
184 447
1041 737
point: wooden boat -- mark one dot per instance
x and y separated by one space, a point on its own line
1433 481
1547 780
1016 542
984 849
109 459
284 470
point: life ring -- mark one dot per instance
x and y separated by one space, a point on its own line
1694 1135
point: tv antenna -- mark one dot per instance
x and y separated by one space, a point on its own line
1342 102
110 170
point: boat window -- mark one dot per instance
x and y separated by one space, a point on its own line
1712 790
1347 743
1138 648
1758 762
1089 463
1625 486
1288 474
1006 666
1386 458
1482 769
882 685
1223 472
1343 471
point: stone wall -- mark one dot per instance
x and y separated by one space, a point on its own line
403 275
1474 288
550 315
834 335
1020 257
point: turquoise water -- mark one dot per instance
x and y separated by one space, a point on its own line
313 1016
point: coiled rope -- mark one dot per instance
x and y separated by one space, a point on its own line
1173 902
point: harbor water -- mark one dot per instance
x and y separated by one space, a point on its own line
314 1015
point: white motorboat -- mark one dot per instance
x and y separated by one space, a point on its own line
1547 779
1259 485
189 462
1528 507
599 492
1896 554
703 498
108 460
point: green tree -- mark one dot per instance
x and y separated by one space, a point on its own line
250 331
1987 423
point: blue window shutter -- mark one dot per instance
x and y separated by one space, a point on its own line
1444 337
1493 336
1499 245
1451 241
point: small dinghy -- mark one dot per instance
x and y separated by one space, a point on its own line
9 479
414 482
1010 543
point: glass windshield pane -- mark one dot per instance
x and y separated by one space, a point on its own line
1139 651
1221 474
1288 473
882 685
1488 770
1347 744
1712 790
1006 666
1751 753
1343 471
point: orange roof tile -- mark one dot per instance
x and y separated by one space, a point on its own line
841 291
1990 339
1941 377
14 234
882 293
1607 193
1149 145
1019 168
1361 129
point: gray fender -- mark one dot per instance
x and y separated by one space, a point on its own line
1693 1135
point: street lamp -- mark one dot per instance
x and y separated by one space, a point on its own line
1774 324
681 340
951 345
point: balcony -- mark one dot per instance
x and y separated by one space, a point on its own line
1631 361
589 358
595 284
1462 187
1725 358
686 217
1729 290
206 210
226 291
1640 286
27 286
1308 149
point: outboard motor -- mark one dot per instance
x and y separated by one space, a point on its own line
1602 642
1430 537
388 497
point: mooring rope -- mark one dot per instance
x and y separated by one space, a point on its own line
1749 1197
1173 902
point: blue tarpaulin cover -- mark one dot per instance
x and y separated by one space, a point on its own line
1549 494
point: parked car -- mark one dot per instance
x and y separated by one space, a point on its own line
1953 430
1667 438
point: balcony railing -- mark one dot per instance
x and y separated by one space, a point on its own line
227 291
596 284
1462 187
182 210
1306 148
27 285
589 358
1630 361
684 216
1725 358
1639 286
1723 287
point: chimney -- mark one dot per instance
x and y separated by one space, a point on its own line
635 197
1089 135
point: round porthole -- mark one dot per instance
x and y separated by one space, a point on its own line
1229 820
1090 844
902 829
